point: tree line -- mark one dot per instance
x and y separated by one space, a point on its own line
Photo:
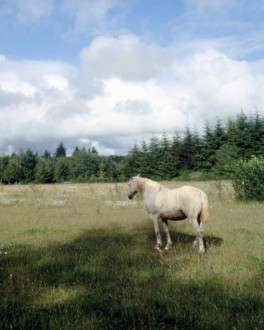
210 153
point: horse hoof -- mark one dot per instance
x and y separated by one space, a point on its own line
167 247
158 248
201 251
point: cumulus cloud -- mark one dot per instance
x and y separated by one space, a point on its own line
124 90
126 57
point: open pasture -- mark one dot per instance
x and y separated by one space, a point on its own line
81 256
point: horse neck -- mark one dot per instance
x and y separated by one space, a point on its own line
151 187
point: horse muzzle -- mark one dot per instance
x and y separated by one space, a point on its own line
131 195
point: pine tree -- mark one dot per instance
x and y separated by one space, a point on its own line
110 169
144 160
208 156
175 155
231 132
243 138
13 172
197 151
60 151
257 133
3 164
155 158
94 151
75 152
220 136
133 162
29 161
46 154
186 155
167 166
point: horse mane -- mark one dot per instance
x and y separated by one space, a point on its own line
142 182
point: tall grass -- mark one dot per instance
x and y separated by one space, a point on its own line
88 263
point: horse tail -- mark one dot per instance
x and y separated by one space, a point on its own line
204 214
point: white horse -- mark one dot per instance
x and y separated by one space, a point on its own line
166 204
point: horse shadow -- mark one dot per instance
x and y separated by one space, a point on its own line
185 239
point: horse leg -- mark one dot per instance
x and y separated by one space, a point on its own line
199 235
195 242
166 229
155 221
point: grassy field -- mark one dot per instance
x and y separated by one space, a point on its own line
82 257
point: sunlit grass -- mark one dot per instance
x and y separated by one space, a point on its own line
81 256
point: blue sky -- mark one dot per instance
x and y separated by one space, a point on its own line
114 72
54 33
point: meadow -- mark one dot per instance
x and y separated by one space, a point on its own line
81 256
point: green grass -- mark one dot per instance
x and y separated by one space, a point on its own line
82 257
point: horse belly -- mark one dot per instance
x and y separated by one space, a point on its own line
173 215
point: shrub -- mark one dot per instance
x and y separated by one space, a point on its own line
249 179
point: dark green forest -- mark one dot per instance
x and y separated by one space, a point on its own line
206 155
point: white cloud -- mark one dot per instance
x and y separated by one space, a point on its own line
126 57
124 90
2 58
91 15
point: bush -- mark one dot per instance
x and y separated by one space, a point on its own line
249 179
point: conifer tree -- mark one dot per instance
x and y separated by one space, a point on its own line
257 135
197 151
29 161
243 139
94 151
187 151
62 170
75 151
13 171
3 164
220 136
45 171
154 158
208 157
144 160
133 162
166 163
175 155
60 151
46 154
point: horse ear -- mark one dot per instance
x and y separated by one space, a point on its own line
138 175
